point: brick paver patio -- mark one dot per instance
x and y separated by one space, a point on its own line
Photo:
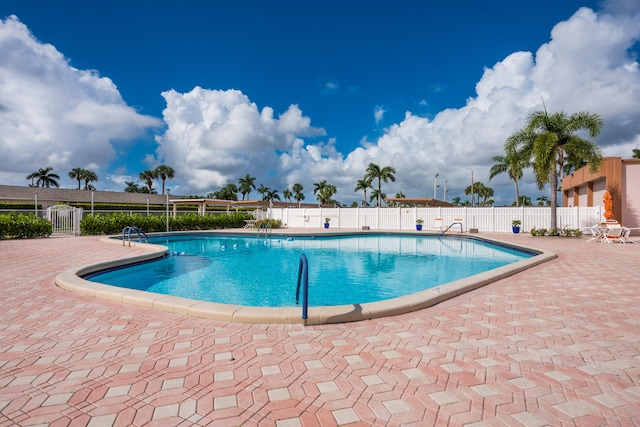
557 345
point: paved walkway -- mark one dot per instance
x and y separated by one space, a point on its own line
557 345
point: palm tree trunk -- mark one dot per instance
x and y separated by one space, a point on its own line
515 184
553 183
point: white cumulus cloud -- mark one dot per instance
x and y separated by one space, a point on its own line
215 136
52 114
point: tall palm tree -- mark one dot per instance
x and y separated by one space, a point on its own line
319 188
272 195
164 172
76 173
324 191
228 192
481 190
297 192
549 139
44 177
363 184
287 194
246 184
263 191
381 174
148 177
513 164
89 176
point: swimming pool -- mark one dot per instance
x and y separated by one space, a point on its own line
73 281
356 269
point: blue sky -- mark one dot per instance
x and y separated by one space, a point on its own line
294 91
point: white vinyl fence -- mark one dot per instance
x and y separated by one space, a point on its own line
488 219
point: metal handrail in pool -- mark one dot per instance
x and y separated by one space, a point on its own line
303 273
452 224
267 228
128 230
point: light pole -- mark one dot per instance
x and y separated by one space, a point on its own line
435 186
445 190
168 191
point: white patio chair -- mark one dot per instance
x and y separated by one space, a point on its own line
613 233
596 233
626 232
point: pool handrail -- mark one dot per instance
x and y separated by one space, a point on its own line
303 276
267 228
452 224
133 229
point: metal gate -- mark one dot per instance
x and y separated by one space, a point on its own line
65 219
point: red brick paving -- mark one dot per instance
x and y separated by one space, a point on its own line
557 345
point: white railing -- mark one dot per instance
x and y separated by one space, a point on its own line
488 219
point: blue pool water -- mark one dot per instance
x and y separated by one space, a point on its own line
245 270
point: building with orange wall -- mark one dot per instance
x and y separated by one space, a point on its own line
620 177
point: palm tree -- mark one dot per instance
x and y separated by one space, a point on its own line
272 195
636 153
550 139
543 201
44 177
381 174
377 196
89 176
287 194
246 184
76 173
263 191
148 176
163 172
363 184
481 190
525 201
297 192
512 163
456 201
228 192
324 191
131 187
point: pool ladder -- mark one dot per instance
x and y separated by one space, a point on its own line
449 227
267 229
303 281
127 231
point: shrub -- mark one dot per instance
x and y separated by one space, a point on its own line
564 232
15 226
275 223
115 223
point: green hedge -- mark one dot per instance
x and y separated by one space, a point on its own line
16 226
19 206
115 223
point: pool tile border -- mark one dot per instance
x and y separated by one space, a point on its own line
72 281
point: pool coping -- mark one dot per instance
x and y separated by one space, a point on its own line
72 281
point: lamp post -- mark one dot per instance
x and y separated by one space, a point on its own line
168 191
435 186
445 190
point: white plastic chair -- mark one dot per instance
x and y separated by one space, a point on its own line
613 233
596 233
626 232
